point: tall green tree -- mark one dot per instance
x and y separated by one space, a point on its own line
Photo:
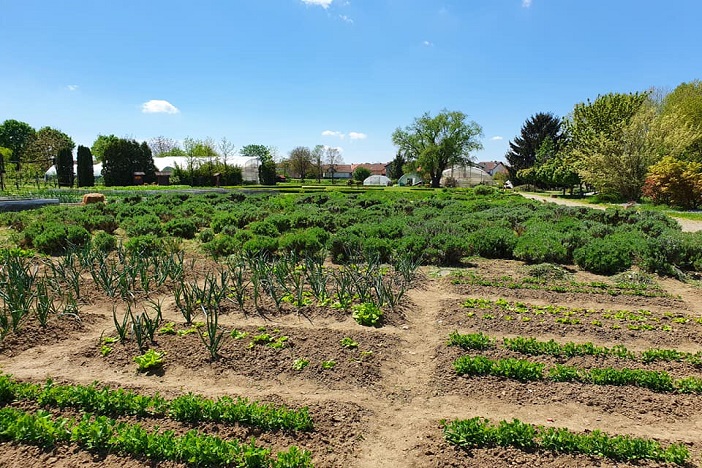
86 176
64 167
317 161
361 173
685 104
524 148
395 168
44 148
122 158
16 136
300 161
333 159
99 145
435 143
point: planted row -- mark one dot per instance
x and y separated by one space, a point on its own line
523 370
559 286
533 347
101 434
191 408
481 433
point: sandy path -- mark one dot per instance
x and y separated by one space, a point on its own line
687 225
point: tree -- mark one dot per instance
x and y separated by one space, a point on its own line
64 167
122 158
44 149
300 160
266 168
333 159
16 136
395 168
615 139
86 176
226 149
317 160
675 182
162 146
524 148
685 102
99 145
361 173
435 143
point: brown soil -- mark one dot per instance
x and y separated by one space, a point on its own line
381 404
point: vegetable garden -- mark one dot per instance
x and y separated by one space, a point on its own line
415 328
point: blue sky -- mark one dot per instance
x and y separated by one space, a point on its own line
340 73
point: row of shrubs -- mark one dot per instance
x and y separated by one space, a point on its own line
440 227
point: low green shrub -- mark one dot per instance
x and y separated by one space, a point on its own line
181 227
495 242
103 242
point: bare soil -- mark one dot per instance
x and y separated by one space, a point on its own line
381 403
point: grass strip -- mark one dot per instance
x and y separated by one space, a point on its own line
525 371
106 401
481 433
99 434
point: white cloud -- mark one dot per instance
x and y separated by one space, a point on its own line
346 19
526 3
357 136
72 87
323 3
158 106
427 43
496 138
332 133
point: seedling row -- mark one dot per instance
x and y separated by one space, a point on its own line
101 434
533 347
106 401
481 433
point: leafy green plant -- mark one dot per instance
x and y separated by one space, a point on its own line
328 364
479 432
368 314
149 361
348 343
476 341
300 363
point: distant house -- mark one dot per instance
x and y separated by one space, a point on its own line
345 171
341 171
493 167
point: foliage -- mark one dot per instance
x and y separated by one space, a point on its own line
617 137
149 361
368 314
535 131
64 168
675 182
16 136
122 158
605 256
361 173
480 433
685 103
100 145
300 162
86 175
436 143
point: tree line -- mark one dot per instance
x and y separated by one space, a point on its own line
625 146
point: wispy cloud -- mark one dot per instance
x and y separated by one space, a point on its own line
72 87
323 3
346 19
526 3
333 133
496 138
357 136
427 43
158 106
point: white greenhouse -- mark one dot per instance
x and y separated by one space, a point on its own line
466 176
377 180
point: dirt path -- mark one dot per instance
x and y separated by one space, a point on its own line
687 225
